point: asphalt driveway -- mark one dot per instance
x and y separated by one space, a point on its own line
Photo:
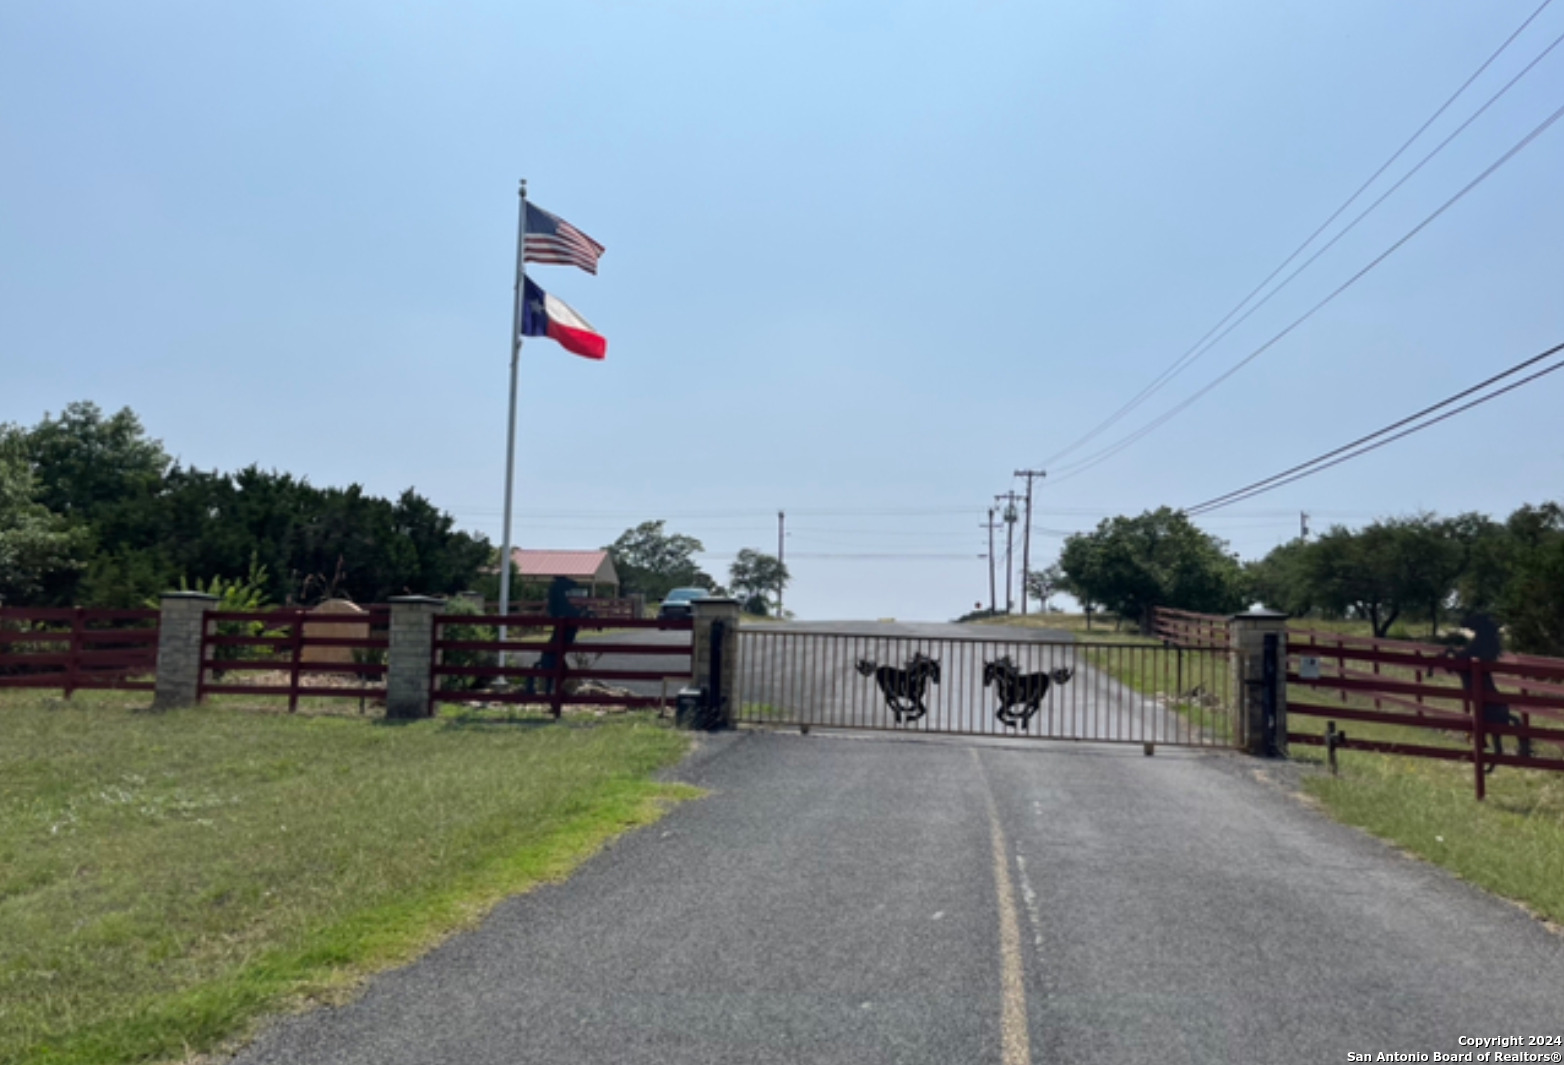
846 898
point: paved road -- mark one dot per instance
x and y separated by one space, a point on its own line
841 897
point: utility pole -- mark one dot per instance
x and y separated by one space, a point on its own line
1303 525
991 525
781 559
1010 541
1026 537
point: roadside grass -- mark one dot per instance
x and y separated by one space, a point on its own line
1511 844
166 879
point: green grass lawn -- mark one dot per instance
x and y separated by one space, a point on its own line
1511 844
165 879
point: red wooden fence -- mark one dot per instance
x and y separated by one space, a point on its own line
1190 631
76 648
552 656
1480 703
274 652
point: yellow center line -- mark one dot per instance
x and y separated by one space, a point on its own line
1016 1041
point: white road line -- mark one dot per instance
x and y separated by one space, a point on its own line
1030 898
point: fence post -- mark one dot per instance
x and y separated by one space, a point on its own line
73 659
1476 696
1260 692
180 628
295 655
410 657
723 687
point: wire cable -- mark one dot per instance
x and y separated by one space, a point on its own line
1099 457
1201 346
1364 444
1370 209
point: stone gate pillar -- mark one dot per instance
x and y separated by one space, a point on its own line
1258 697
179 631
712 616
411 655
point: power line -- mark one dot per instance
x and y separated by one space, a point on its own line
1364 444
1205 347
1113 449
1201 346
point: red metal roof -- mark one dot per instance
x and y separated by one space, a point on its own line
578 565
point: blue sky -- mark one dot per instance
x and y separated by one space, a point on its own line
864 259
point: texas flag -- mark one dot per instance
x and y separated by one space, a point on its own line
544 316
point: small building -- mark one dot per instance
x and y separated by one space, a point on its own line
593 570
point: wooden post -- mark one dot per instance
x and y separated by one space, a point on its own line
557 645
73 652
1474 698
296 654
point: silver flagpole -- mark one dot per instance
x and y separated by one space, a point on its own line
510 432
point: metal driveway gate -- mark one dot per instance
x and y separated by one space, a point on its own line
1091 691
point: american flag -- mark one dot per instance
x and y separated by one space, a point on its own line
551 239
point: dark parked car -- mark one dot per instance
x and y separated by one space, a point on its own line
677 602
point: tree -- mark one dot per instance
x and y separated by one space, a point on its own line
35 544
1532 603
1160 558
1279 580
1044 584
139 525
652 562
85 462
754 576
1485 548
1392 568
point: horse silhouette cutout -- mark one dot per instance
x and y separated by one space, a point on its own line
904 688
1017 689
1486 645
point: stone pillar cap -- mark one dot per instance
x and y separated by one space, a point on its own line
414 599
1260 612
188 595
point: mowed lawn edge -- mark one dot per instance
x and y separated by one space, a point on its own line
1511 844
168 880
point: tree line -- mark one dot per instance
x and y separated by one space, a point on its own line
94 512
652 562
1420 572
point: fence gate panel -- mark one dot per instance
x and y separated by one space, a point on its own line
1098 692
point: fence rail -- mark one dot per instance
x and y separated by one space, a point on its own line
1462 706
77 648
289 654
595 607
1193 632
559 662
